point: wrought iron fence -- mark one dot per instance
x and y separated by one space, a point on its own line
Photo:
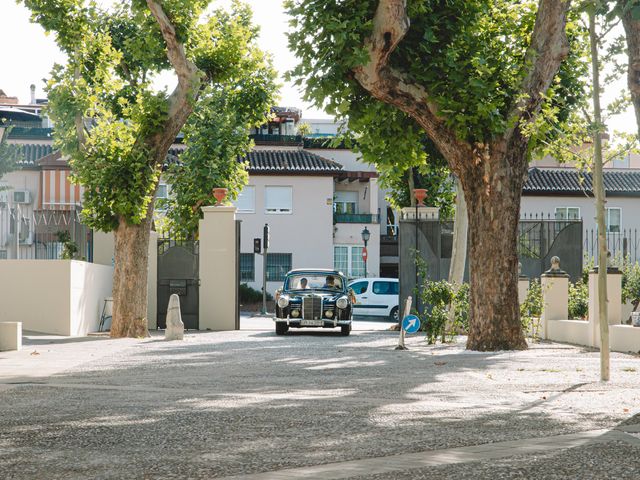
624 246
43 234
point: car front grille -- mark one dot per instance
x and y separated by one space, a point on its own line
312 307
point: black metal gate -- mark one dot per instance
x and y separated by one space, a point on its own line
178 273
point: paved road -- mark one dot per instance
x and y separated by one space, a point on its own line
254 405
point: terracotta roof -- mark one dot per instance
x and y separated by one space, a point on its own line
290 162
569 181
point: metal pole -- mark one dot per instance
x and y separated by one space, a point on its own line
365 259
264 282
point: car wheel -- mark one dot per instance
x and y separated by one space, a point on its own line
345 329
394 316
281 328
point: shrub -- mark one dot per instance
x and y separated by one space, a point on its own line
578 300
251 295
631 282
531 308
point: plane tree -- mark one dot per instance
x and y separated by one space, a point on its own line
478 77
116 128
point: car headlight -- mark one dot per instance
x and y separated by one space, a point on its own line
283 301
295 313
328 313
342 303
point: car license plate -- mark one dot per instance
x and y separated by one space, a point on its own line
311 323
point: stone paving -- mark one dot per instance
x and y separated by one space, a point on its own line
254 405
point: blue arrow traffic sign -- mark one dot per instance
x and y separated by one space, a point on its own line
411 324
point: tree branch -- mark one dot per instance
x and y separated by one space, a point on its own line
182 99
390 25
549 47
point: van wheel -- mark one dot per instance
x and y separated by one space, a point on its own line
394 316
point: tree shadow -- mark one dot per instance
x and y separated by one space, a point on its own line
261 402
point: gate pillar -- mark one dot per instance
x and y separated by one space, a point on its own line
218 269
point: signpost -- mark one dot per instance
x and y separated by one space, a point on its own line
411 324
266 237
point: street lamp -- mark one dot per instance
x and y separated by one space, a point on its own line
366 235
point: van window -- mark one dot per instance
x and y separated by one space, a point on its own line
360 287
385 288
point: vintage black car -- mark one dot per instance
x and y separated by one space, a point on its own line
314 298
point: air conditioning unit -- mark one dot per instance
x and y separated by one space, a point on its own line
21 196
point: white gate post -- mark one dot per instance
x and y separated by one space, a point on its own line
218 272
555 296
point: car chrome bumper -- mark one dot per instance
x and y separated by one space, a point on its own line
299 322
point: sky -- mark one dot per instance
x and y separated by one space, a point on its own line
28 56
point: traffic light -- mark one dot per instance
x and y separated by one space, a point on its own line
257 245
266 236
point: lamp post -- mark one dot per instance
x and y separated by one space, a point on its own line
366 235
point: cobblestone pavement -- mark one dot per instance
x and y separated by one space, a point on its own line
251 404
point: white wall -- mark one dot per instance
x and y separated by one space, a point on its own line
18 180
306 233
89 285
61 297
531 204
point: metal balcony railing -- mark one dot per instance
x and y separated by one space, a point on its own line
355 218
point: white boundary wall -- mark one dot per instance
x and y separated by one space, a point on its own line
61 297
622 338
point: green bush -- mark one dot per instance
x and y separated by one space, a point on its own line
531 308
578 300
437 298
631 282
251 295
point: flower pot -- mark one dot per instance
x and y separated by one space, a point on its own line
420 194
220 194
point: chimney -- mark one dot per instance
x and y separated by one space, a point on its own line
33 94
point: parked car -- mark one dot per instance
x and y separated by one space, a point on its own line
377 297
313 298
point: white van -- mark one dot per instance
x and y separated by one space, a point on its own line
376 296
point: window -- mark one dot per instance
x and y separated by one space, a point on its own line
567 213
360 287
341 259
278 264
3 254
247 267
385 288
613 219
162 195
246 201
278 200
348 260
621 162
163 191
346 202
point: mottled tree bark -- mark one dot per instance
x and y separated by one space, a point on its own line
132 240
632 34
129 317
491 175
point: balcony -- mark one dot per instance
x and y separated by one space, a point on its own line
355 218
281 140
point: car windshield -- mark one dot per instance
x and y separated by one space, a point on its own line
314 281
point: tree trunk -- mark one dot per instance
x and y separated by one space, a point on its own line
493 203
459 250
130 280
632 35
599 192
